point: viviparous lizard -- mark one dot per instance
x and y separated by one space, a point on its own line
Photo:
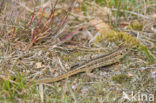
88 66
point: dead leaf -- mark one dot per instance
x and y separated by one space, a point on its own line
39 65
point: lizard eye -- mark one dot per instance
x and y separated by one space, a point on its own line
120 53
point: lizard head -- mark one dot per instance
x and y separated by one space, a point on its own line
123 51
120 53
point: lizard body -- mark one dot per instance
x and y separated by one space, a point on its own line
88 66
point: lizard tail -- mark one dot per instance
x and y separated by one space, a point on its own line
55 79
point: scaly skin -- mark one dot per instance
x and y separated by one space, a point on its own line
88 66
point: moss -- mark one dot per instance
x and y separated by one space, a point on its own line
117 38
145 50
122 78
135 26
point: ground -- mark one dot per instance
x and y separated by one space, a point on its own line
43 38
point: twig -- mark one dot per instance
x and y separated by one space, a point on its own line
37 33
60 62
70 35
51 15
64 19
132 12
41 92
32 19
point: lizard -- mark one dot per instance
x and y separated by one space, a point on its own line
88 66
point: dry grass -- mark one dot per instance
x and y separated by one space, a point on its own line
40 39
